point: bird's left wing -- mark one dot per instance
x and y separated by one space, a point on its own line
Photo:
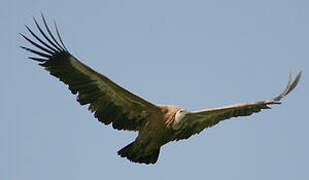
109 102
194 122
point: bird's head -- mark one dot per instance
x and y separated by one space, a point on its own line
179 116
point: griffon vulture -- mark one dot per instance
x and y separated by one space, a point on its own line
112 104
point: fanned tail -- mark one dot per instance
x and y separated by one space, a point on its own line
137 153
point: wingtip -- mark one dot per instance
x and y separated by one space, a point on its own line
59 37
42 15
299 74
23 47
295 82
290 86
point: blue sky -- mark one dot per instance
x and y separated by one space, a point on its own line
195 54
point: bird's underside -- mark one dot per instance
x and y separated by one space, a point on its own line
112 104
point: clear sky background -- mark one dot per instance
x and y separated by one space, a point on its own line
195 54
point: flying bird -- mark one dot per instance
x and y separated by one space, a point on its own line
111 104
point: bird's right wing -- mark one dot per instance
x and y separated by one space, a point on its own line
110 102
196 121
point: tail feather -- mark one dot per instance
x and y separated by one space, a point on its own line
136 153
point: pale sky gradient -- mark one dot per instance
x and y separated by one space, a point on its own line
195 54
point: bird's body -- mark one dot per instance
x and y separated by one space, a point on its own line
154 134
112 104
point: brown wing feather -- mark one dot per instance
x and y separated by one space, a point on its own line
109 102
196 121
